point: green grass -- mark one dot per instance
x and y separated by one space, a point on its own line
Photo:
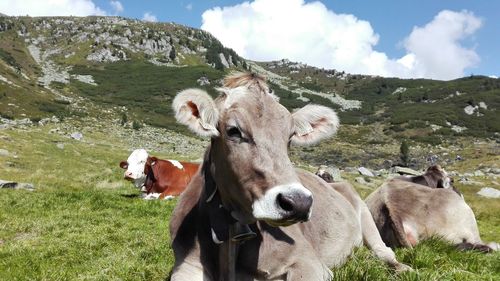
84 222
88 234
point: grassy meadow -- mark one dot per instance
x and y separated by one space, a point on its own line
84 222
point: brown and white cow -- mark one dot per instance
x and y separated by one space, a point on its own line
406 213
302 226
158 178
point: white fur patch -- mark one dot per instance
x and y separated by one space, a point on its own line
232 95
136 163
266 207
152 196
176 164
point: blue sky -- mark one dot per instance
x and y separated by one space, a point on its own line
433 39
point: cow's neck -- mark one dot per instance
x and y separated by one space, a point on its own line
226 231
150 178
222 217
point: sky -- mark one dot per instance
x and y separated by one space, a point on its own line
441 40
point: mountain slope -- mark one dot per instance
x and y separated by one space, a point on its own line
121 68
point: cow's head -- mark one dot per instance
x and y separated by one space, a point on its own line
439 177
135 167
251 133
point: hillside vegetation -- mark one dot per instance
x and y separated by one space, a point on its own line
49 64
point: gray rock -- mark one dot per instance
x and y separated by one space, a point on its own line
77 136
469 110
489 192
478 173
4 152
202 81
495 171
404 171
365 172
16 185
60 145
44 121
223 60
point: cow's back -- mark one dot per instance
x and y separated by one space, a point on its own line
172 179
424 212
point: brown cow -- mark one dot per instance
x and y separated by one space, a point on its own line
301 227
406 213
158 178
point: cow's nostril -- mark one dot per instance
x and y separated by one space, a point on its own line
285 202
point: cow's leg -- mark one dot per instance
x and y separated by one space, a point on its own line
373 240
166 194
371 235
466 246
188 271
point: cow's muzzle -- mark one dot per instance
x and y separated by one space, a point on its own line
284 205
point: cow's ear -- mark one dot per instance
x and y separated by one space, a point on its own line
151 160
313 123
124 164
196 109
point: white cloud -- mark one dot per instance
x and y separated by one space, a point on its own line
117 6
266 30
50 8
436 46
149 17
189 6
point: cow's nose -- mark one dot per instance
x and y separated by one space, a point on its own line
128 175
297 205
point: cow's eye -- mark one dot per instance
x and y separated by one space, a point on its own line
234 133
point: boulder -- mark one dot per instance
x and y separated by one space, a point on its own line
489 192
4 152
365 172
478 173
404 171
77 136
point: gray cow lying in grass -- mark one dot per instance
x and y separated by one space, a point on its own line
408 210
302 227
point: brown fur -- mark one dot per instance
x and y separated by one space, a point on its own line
163 177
